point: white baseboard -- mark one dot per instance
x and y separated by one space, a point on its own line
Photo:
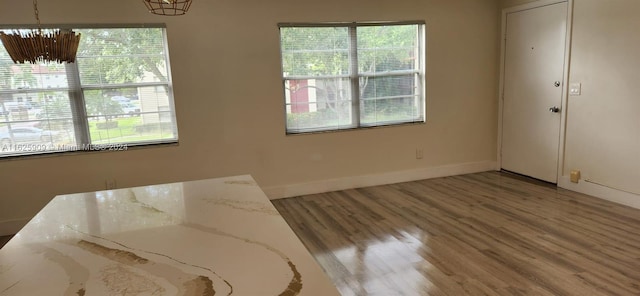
12 227
276 192
603 192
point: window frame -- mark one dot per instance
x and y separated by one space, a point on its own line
355 75
75 89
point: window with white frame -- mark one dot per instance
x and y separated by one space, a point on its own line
117 94
345 76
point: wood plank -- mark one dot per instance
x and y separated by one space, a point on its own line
490 233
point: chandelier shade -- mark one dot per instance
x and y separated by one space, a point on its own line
38 47
35 47
168 7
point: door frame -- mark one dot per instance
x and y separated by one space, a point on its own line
565 77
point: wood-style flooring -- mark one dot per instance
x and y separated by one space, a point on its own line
481 234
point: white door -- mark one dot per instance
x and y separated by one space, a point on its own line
533 83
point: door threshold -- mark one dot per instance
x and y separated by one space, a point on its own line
529 179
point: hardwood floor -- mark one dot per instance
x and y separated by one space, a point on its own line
482 234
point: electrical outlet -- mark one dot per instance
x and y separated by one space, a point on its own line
419 153
110 184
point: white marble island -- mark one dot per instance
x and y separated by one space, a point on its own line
209 237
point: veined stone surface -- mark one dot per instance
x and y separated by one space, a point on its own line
217 236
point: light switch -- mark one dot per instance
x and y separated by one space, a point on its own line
575 89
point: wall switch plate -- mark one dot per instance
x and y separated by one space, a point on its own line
575 89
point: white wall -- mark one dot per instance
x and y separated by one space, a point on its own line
229 102
603 125
602 138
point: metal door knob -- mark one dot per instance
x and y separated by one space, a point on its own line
556 84
554 109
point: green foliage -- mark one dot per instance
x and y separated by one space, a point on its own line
315 51
97 104
118 56
128 130
5 69
115 56
56 107
386 48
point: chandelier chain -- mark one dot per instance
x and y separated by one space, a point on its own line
36 12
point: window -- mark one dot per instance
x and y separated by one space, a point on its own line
350 76
117 94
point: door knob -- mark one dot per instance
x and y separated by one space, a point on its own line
554 109
556 84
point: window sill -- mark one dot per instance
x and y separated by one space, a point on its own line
312 132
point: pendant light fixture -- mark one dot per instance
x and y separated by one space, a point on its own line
168 7
36 46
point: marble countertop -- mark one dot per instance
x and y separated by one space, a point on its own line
209 237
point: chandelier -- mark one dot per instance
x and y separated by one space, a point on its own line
35 46
168 7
